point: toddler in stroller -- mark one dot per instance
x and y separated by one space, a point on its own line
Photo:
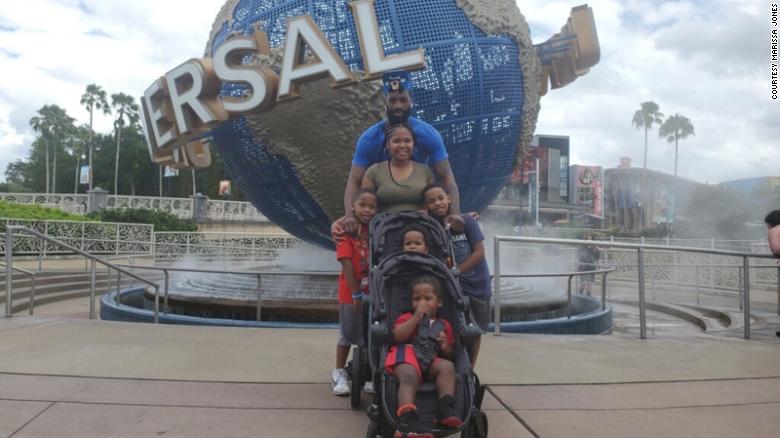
424 383
423 346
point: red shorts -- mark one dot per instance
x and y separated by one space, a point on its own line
404 353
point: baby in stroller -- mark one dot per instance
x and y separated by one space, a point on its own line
425 386
423 347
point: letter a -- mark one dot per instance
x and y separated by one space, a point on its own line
303 31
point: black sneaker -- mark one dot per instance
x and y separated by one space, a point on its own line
409 425
446 414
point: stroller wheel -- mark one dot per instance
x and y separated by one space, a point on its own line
373 430
477 427
356 375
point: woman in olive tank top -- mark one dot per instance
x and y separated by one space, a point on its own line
399 181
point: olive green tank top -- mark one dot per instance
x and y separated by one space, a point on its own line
395 196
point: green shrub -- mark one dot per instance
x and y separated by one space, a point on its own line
162 221
10 210
9 187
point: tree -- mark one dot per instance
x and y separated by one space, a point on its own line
51 123
125 108
42 125
63 124
94 98
676 128
16 173
645 117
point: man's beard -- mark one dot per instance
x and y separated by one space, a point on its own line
394 119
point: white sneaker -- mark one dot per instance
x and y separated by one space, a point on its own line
368 388
339 380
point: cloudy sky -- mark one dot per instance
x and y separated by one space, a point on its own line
708 60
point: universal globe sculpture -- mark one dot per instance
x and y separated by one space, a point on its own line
480 90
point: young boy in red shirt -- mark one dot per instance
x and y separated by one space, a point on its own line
352 252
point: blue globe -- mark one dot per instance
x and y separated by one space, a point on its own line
479 90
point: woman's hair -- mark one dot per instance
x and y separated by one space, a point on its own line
432 186
392 129
362 191
420 229
773 218
431 280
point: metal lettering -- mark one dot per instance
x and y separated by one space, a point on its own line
302 31
262 81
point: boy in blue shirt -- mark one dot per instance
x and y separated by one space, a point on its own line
469 252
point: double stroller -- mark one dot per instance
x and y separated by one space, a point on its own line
391 272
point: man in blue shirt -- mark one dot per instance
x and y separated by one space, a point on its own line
370 148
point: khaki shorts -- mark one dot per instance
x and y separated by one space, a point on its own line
350 326
479 309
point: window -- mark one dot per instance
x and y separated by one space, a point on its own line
584 196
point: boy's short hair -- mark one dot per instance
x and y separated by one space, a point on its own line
431 186
418 228
773 218
438 289
362 191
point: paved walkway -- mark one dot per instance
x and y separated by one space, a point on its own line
81 378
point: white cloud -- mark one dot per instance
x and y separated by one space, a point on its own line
700 60
706 60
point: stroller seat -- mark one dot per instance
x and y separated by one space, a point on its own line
390 297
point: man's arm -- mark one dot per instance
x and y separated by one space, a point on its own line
353 185
773 236
348 223
444 175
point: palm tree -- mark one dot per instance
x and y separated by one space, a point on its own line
645 117
676 128
52 122
125 108
42 125
63 123
94 98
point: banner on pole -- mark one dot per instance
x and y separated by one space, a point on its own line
84 174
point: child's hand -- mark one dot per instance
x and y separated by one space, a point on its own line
441 338
421 310
357 305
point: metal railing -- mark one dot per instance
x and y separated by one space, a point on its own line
9 301
94 237
180 207
9 235
170 245
640 249
258 274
